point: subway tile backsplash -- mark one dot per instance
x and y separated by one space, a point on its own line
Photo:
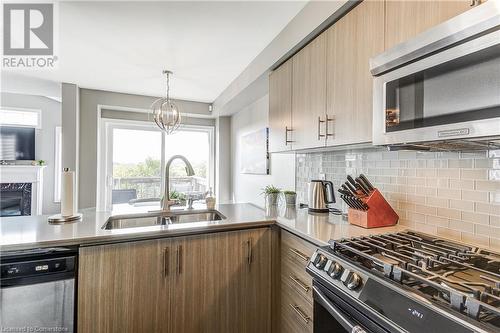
449 194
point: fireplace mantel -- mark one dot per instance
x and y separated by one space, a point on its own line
26 174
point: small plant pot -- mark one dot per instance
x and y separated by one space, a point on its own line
272 199
290 199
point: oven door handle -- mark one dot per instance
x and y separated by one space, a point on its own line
336 313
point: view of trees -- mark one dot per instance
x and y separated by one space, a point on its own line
152 168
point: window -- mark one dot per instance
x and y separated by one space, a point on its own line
21 117
135 155
136 164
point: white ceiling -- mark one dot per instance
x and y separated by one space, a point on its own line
123 46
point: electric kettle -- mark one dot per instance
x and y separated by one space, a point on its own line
321 194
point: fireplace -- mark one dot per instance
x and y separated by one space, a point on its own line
15 199
21 189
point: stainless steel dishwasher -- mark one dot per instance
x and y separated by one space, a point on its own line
38 290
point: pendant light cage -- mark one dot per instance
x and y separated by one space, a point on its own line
165 113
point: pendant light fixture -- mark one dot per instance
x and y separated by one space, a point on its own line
165 112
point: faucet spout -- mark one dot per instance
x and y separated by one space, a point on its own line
166 202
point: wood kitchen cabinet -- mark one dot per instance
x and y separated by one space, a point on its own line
218 282
123 287
352 41
223 282
280 108
309 95
296 285
406 19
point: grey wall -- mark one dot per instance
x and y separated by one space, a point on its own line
70 129
45 139
223 159
245 187
90 100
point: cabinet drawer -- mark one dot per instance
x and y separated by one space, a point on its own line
296 312
297 278
295 249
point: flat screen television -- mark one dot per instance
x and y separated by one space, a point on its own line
17 143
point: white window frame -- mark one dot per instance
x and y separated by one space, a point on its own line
105 154
25 110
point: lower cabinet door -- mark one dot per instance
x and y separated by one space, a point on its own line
222 282
123 287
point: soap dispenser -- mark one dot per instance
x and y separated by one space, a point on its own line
210 199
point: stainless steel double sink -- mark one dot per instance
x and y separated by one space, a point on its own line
161 218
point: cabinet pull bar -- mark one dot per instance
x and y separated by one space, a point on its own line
286 135
301 313
326 126
319 128
179 260
249 251
301 284
165 262
299 254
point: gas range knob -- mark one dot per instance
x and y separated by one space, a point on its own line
353 281
335 270
320 261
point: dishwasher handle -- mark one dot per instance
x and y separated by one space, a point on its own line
336 312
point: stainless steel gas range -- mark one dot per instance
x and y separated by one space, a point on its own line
405 282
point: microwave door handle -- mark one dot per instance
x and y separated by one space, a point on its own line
336 313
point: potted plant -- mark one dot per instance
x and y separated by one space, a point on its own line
179 197
290 197
271 193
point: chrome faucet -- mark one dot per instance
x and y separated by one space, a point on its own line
166 202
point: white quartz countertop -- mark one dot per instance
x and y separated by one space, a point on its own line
34 231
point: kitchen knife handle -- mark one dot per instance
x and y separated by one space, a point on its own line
362 186
351 180
351 188
367 182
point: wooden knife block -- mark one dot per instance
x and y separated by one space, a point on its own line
379 214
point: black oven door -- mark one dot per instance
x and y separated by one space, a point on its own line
334 313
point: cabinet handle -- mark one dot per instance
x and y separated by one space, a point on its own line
249 251
301 313
326 125
299 254
319 128
286 135
166 262
179 260
301 284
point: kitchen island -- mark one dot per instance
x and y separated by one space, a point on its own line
27 232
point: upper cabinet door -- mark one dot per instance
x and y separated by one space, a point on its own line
309 95
352 41
280 108
406 19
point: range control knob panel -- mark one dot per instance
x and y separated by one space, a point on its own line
320 261
334 269
351 280
339 272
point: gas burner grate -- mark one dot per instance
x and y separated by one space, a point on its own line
462 277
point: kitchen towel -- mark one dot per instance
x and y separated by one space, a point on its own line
68 207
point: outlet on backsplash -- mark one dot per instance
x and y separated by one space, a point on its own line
450 194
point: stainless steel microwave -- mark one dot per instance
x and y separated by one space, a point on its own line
441 85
